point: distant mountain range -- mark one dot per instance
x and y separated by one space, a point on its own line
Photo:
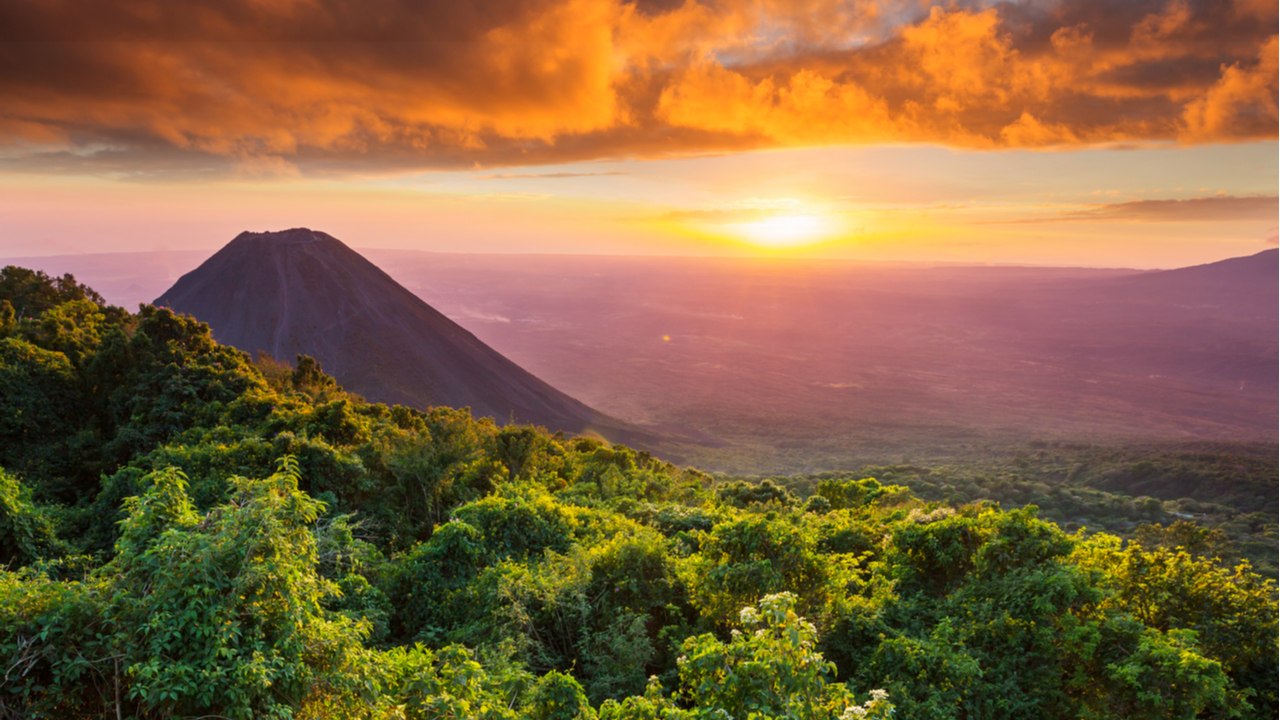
302 291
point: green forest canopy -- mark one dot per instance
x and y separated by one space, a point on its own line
188 533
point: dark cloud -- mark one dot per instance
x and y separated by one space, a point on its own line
1161 76
657 7
341 86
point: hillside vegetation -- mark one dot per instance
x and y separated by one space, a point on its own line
190 533
1224 494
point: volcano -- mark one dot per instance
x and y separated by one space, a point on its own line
302 291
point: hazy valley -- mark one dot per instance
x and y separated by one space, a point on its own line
800 366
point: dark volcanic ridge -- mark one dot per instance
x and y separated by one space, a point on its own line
302 291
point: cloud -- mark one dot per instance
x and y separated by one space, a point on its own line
1218 208
548 175
1242 100
267 166
357 86
1213 209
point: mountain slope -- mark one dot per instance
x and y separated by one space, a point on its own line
303 291
1246 285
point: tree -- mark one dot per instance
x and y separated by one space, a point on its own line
1231 612
769 669
40 408
743 560
26 534
223 614
31 292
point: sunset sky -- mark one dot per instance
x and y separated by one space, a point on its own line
1083 132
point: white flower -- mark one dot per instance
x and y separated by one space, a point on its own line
879 694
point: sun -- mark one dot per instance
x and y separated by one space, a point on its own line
784 231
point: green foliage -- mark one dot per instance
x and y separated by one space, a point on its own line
26 531
935 551
745 494
743 560
56 645
557 696
76 329
227 609
432 584
31 292
1230 613
172 376
769 669
1160 675
652 705
39 400
843 494
1185 535
441 461
987 616
220 613
310 378
517 525
1231 488
449 684
8 317
931 677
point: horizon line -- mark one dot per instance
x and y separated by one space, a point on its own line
953 264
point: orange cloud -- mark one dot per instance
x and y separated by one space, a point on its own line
373 85
1242 101
808 108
